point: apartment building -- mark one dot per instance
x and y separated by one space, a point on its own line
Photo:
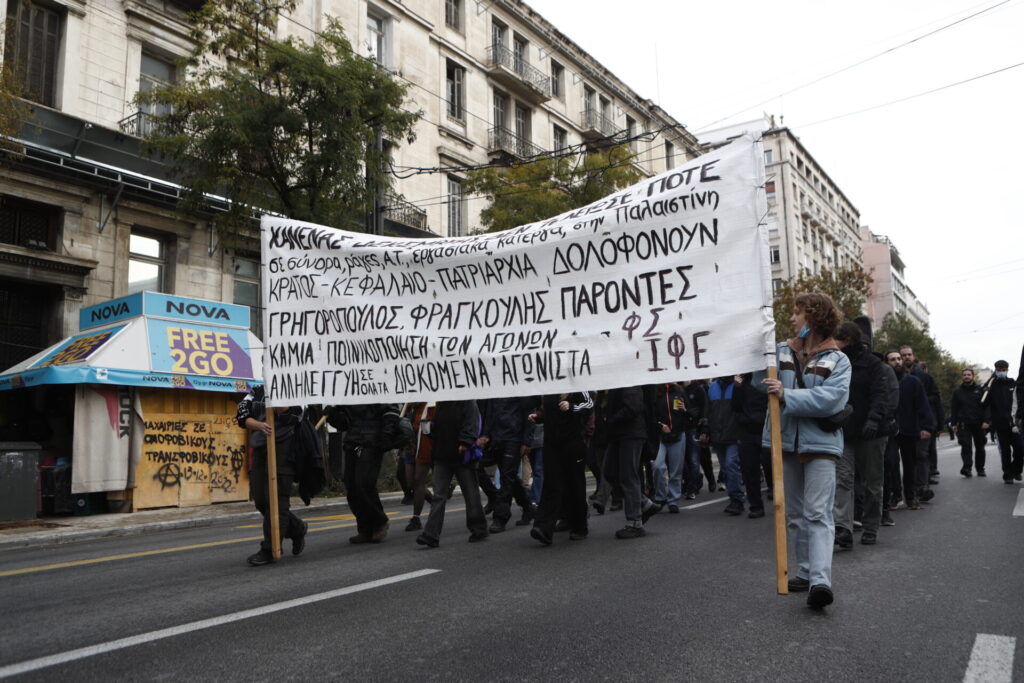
890 292
85 216
812 224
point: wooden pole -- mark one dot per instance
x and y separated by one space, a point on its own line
275 519
778 491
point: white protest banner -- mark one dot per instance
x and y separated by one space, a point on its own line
666 280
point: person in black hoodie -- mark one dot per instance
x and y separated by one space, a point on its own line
969 421
915 422
454 432
506 433
998 399
670 412
863 457
565 486
627 432
695 404
931 390
750 407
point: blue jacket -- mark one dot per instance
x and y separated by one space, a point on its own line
827 380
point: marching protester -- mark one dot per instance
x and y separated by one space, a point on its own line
454 432
627 432
724 438
252 415
998 399
970 423
670 408
368 428
695 405
750 407
813 383
565 489
506 430
916 422
863 440
931 390
419 452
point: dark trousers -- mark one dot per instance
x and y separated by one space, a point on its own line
476 522
362 467
622 468
507 455
487 479
1011 452
914 456
972 438
291 526
892 486
565 486
707 466
752 460
933 455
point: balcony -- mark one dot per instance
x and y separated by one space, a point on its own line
140 124
517 74
399 211
594 125
503 141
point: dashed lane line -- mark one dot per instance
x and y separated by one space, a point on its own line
991 659
122 643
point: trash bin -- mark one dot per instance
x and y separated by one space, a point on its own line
55 490
18 480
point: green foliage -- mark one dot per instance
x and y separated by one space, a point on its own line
849 288
276 124
535 191
14 111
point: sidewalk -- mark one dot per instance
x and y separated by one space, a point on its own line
59 530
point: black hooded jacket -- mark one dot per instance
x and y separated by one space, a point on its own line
966 409
869 395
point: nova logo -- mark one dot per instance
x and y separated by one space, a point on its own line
195 310
110 311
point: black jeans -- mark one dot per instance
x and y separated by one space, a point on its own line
507 455
972 437
892 487
914 454
565 486
752 460
1011 452
622 468
291 526
362 467
476 522
933 455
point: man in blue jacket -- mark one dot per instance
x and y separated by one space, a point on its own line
725 439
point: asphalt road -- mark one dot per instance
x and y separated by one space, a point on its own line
692 601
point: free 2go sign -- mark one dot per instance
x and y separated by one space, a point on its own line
184 348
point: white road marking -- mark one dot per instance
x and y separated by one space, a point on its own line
120 644
991 659
1018 509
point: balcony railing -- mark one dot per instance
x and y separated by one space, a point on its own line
499 55
592 120
401 211
503 140
140 124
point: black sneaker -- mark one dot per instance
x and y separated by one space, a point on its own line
927 495
869 538
497 527
260 558
673 509
414 524
406 499
651 510
932 481
798 585
562 525
429 542
598 507
359 538
476 538
981 473
630 532
380 533
820 596
755 513
1018 477
733 508
1008 481
691 496
578 535
540 535
966 473
299 544
887 519
529 513
844 538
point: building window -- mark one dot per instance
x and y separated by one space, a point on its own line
523 117
776 285
631 132
769 189
604 108
520 54
498 33
247 290
500 110
153 73
453 14
456 208
146 263
768 156
560 138
589 101
670 155
377 28
557 80
33 47
455 76
27 224
776 255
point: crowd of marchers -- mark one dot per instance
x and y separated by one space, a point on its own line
858 427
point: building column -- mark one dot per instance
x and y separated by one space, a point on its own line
70 308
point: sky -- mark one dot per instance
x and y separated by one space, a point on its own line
940 174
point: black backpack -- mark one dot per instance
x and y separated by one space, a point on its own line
308 456
396 431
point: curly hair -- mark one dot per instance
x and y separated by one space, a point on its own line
820 312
